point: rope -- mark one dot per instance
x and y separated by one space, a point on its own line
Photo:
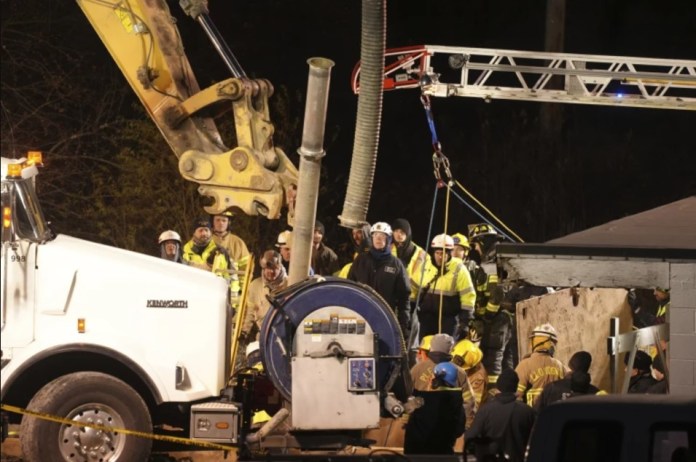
519 239
480 215
444 262
441 165
427 249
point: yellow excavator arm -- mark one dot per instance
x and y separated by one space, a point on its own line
255 176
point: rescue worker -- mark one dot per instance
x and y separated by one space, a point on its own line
467 355
266 399
284 248
641 377
324 259
385 273
170 246
424 348
540 368
502 427
662 297
448 296
483 238
494 328
413 256
284 244
434 427
234 245
439 349
360 243
461 249
565 388
202 252
658 373
273 278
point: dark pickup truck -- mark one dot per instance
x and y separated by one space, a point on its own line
616 428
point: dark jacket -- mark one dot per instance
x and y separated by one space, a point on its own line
324 261
559 391
496 331
388 277
434 427
503 419
641 383
660 387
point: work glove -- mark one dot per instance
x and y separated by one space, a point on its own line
464 318
211 258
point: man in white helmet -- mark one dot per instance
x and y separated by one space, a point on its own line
385 273
283 245
540 368
448 296
170 246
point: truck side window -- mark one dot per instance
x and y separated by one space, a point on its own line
591 440
672 443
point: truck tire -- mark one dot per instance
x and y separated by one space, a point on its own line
89 397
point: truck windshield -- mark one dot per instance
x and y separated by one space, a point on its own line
27 217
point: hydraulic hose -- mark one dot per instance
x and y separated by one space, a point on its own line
367 126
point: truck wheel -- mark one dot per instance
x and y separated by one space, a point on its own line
86 397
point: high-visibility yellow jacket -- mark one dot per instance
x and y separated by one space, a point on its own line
221 264
414 268
455 285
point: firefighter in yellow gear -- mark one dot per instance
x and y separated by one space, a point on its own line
448 296
467 357
273 278
202 252
540 368
233 244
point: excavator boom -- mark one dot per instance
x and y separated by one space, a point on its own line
255 176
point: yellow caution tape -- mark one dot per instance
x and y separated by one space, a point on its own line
152 436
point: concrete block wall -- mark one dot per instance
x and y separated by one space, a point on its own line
682 323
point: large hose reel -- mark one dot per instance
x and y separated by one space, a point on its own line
332 332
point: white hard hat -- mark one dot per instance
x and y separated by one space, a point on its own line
442 241
381 227
283 238
545 330
169 235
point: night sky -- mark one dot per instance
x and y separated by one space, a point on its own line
653 163
609 162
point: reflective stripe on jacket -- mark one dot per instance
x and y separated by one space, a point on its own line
535 372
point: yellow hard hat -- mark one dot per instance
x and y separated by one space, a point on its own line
466 354
425 343
461 240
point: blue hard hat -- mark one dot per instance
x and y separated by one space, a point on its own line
447 373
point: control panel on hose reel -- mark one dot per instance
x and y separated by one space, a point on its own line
334 350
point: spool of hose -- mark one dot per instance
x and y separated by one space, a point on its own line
293 305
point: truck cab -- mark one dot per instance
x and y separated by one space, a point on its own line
616 428
94 332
